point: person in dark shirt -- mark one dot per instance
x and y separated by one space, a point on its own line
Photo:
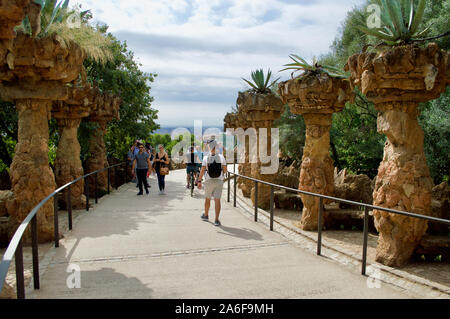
142 164
192 161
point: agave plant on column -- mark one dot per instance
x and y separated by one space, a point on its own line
396 78
260 107
42 60
317 93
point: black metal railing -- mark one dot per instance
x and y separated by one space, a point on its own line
15 247
320 213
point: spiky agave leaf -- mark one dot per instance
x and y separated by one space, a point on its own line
261 81
418 16
300 65
400 20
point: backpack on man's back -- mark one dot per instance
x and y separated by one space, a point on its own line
214 166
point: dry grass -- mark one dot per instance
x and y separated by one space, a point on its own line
95 44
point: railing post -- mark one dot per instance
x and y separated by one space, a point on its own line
86 185
115 177
256 201
109 180
366 233
20 281
125 174
35 251
234 154
271 206
319 226
69 206
235 195
56 220
229 185
96 187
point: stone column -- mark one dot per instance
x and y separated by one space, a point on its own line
245 168
33 88
396 81
97 159
260 110
317 168
229 122
316 97
107 109
32 178
12 13
68 164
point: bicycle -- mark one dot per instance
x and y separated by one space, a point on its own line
192 182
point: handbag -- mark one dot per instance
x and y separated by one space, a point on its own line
164 170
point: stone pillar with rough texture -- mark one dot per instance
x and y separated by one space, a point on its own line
396 81
260 110
32 178
229 122
316 97
107 109
12 13
68 163
35 76
245 167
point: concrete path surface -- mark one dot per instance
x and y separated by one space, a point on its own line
158 247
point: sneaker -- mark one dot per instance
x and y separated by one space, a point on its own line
160 192
217 223
204 217
163 192
147 193
139 194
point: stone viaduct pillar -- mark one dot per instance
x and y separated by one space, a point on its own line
396 81
36 75
261 110
316 97
107 109
68 164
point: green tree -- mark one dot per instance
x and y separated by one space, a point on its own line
122 76
435 120
292 134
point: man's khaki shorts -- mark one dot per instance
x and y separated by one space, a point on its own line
213 188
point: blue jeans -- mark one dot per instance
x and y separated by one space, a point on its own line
161 181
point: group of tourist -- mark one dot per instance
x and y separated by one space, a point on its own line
209 164
145 160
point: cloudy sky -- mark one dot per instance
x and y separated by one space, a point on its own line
201 49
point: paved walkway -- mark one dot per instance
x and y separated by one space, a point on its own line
158 247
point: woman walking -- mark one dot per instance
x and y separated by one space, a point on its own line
161 160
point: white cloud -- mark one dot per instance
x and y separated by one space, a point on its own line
202 48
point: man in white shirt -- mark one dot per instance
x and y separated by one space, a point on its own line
214 168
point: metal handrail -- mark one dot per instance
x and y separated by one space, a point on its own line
320 215
15 245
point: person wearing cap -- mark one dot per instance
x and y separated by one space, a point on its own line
213 168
